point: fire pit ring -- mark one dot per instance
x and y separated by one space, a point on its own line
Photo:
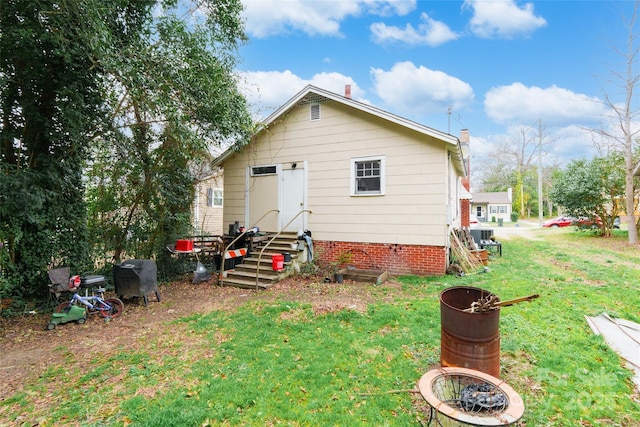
462 396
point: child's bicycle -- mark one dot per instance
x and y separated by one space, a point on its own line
108 308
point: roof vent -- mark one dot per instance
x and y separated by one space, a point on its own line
315 111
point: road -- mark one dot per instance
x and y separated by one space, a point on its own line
526 229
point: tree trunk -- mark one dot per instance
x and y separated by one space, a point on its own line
629 195
628 137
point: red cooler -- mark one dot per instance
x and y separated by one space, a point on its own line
277 261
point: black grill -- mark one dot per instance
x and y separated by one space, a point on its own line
136 278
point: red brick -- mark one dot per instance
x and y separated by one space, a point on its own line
393 258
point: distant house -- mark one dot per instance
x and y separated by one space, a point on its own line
359 178
208 205
492 206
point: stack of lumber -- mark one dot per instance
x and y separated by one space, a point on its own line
462 247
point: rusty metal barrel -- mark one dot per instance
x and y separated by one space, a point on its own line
469 340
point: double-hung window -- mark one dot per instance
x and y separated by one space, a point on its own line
209 197
367 176
214 197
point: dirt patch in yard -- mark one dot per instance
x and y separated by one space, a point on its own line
27 349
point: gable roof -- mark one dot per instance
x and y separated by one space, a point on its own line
497 198
311 93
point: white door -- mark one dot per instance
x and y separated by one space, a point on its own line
292 198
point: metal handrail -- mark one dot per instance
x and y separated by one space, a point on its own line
271 240
226 248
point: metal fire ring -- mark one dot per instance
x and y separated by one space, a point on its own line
444 390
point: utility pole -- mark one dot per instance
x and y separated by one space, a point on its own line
540 204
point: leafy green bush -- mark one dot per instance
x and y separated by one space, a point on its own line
514 216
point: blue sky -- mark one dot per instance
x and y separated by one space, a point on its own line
499 65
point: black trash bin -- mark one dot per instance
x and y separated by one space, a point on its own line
136 278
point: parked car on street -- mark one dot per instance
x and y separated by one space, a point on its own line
561 221
565 221
586 222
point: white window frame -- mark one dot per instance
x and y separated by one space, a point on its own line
353 177
217 197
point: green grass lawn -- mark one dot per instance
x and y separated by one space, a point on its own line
281 363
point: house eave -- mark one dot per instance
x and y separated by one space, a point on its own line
452 142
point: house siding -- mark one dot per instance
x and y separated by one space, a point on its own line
414 213
208 219
486 201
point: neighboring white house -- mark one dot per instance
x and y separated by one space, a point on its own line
360 179
490 207
208 205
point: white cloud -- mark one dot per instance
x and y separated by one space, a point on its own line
481 148
266 18
554 105
389 7
419 90
266 91
561 145
502 18
571 142
429 32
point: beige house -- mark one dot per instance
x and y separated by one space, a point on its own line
490 207
360 179
208 205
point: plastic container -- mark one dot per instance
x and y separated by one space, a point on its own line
184 245
277 262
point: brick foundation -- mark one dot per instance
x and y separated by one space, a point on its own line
394 258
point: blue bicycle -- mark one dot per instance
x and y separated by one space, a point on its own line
95 303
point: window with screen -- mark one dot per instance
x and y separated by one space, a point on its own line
367 176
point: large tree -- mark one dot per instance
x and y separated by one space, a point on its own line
514 166
591 189
625 111
136 92
174 96
51 100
